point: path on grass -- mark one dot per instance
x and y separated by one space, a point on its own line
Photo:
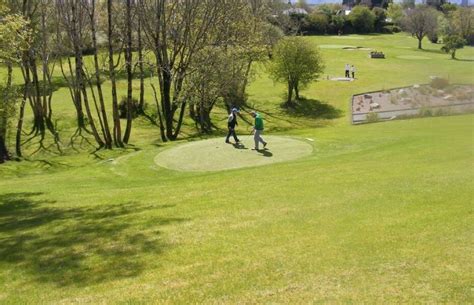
215 155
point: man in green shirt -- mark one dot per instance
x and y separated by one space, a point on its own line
258 129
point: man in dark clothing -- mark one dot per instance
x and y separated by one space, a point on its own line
231 123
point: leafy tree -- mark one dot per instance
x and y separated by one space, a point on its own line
452 43
14 38
448 8
420 21
362 19
296 63
463 23
317 23
337 23
380 16
395 12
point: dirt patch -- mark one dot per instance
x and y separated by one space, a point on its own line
413 100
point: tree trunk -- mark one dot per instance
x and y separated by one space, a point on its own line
140 66
297 92
419 43
4 155
19 128
453 55
290 93
128 63
106 127
80 77
117 128
166 103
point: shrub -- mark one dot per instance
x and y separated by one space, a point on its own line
433 37
123 108
439 83
426 112
390 29
372 117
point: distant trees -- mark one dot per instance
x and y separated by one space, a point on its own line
296 63
420 21
462 21
395 13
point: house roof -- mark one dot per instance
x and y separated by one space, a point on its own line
295 11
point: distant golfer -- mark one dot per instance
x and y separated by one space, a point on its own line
231 123
353 71
347 68
258 130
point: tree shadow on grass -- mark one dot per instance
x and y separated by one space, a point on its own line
79 246
313 109
461 59
433 51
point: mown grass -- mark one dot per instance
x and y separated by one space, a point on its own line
379 213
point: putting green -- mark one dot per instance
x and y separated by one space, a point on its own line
415 57
352 37
215 155
335 46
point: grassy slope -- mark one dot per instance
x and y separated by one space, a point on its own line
379 212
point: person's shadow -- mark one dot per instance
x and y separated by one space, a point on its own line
239 145
265 152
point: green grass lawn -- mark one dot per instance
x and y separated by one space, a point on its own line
378 213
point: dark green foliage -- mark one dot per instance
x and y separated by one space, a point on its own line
452 43
390 29
380 16
123 108
316 23
362 19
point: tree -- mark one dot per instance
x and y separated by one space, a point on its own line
14 39
337 23
420 21
362 19
452 43
380 16
213 76
435 3
129 68
463 22
296 63
395 12
117 130
304 5
317 23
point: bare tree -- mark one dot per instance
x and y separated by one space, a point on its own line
420 21
175 33
129 68
117 134
103 117
38 87
73 15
